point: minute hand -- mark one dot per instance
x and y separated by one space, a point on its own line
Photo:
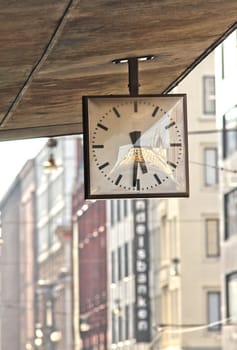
135 166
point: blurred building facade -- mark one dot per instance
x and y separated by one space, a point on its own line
17 261
190 298
10 269
121 279
226 77
36 301
28 271
53 224
91 256
133 273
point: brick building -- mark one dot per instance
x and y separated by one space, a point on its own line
91 229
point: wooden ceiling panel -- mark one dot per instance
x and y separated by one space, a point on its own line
57 51
25 29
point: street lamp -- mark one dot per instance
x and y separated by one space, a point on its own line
55 336
50 165
38 341
84 324
50 337
117 310
174 268
28 346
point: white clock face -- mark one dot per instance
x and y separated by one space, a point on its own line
136 146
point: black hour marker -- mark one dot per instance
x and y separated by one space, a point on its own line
170 125
97 146
118 179
175 144
102 166
171 164
135 106
138 185
102 126
116 112
157 178
155 111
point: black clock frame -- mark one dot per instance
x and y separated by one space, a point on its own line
86 150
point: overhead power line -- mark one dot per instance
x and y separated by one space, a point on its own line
210 131
220 168
180 329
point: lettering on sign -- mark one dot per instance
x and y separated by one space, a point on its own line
141 269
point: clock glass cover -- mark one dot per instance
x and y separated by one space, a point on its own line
135 146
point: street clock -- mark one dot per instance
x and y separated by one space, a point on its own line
135 146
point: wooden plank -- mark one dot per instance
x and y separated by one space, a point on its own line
41 131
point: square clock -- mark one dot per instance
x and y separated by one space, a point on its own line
135 147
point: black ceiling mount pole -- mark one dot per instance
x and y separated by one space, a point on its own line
133 84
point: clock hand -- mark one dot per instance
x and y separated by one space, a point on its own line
135 139
135 136
135 168
142 162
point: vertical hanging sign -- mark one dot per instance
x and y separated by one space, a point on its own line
141 270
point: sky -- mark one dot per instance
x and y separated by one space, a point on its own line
13 156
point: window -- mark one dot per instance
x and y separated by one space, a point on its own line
174 306
222 61
230 132
209 102
125 208
213 310
113 267
164 238
119 263
173 238
118 211
120 328
43 239
113 328
112 212
56 193
211 170
42 205
164 305
132 318
230 211
127 322
231 289
126 260
212 238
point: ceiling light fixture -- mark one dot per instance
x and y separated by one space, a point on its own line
140 59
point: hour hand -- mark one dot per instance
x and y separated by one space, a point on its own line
135 136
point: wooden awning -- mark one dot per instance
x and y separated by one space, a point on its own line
55 51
